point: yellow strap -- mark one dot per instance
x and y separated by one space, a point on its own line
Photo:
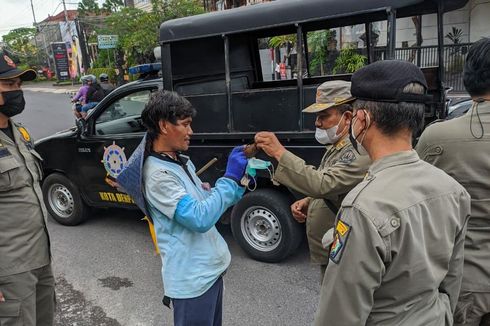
152 233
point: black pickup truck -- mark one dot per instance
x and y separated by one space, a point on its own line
217 62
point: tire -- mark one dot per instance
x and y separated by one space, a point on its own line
264 227
63 200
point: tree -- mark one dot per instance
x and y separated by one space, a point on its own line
113 5
19 41
87 7
138 31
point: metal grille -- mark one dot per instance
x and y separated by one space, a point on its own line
426 56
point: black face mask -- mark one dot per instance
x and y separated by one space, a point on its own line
14 103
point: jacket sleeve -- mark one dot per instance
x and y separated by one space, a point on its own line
337 179
200 216
354 271
451 284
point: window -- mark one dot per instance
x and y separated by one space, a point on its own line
124 115
334 51
278 57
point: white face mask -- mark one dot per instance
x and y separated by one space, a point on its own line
328 136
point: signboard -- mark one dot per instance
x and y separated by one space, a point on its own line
61 62
107 41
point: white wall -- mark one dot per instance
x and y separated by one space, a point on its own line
479 19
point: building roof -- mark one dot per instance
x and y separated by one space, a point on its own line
288 12
60 17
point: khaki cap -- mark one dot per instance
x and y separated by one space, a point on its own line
329 94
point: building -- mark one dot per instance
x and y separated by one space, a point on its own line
142 4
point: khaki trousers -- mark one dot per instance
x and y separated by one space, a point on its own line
29 298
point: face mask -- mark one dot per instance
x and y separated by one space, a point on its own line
328 136
353 139
253 165
14 103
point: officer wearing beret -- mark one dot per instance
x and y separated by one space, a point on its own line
26 279
397 252
460 147
341 167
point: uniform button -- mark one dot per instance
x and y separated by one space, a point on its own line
438 149
394 222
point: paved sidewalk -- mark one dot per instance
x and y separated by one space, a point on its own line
50 87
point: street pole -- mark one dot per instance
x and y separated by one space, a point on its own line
35 36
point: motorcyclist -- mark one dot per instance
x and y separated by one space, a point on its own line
105 84
95 94
80 98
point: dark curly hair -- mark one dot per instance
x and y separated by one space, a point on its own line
164 105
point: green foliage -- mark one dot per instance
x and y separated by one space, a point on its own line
109 71
318 42
282 41
87 7
349 61
20 42
113 5
455 35
138 30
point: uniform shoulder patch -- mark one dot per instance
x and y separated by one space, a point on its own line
348 157
24 133
342 231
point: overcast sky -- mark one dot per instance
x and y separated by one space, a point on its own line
18 13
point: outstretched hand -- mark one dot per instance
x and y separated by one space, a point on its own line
237 162
268 142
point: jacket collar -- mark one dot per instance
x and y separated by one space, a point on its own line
399 158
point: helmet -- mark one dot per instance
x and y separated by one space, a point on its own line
83 80
91 78
104 77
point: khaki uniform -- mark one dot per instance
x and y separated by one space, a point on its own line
340 170
397 255
451 147
25 272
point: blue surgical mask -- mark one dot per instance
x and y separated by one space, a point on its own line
255 164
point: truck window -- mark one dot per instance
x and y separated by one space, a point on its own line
278 57
124 115
336 51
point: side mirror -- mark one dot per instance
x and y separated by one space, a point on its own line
81 124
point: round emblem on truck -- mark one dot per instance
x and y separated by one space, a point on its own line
114 159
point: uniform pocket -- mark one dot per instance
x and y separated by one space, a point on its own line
9 308
38 161
9 168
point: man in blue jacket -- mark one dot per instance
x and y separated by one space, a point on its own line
185 211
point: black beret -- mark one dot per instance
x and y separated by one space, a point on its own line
384 81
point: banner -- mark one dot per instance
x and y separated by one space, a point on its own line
61 62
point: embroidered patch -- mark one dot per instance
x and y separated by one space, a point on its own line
25 134
4 152
342 231
342 228
348 157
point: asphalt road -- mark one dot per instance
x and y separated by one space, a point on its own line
107 272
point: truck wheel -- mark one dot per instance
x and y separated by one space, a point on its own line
263 226
63 200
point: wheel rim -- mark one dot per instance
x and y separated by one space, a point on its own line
261 228
61 200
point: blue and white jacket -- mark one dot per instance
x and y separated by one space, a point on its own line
193 252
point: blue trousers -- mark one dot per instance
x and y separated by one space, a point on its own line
205 310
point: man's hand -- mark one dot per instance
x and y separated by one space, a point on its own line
2 299
299 209
268 142
237 162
